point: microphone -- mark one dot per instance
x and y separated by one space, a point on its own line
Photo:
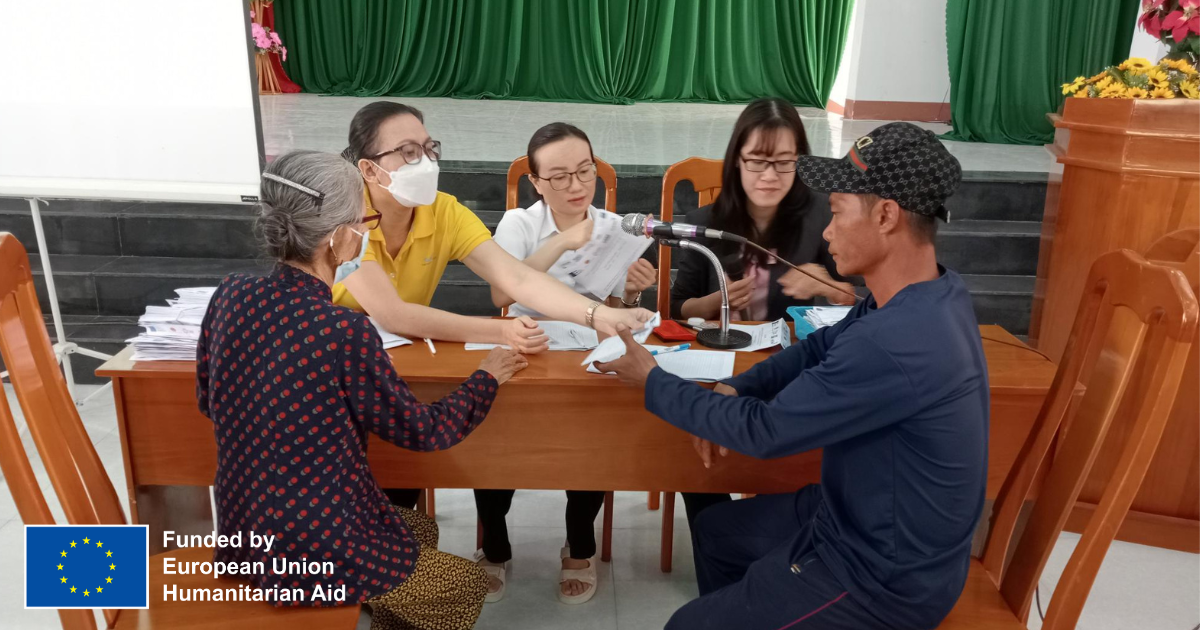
647 225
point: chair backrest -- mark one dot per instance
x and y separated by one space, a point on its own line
1135 324
520 168
83 488
705 176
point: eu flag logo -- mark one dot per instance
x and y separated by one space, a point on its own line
87 566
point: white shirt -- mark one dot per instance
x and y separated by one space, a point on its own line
523 231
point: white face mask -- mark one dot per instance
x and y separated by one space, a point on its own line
344 270
415 184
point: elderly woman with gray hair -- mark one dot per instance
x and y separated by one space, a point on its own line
294 383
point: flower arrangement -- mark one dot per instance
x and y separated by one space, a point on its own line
1138 78
268 41
1175 23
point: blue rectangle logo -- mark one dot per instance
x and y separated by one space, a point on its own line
87 566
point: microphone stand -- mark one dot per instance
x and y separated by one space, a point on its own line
723 338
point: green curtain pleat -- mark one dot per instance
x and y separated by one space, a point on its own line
606 51
1009 59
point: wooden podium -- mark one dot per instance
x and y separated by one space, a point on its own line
1131 174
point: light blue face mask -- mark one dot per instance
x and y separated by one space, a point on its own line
344 270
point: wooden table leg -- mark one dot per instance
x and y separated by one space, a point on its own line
668 530
430 507
606 529
652 502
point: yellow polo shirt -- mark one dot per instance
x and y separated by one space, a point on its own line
441 231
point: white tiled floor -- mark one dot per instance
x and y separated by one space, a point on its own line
1137 588
644 133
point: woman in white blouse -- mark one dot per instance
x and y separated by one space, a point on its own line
563 172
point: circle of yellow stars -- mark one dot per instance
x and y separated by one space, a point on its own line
111 567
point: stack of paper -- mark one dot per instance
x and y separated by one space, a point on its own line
171 332
822 316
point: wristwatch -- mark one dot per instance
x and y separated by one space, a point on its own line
637 301
590 318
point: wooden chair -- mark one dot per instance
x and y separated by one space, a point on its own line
608 177
83 488
705 177
1131 336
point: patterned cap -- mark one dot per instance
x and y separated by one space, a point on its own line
898 161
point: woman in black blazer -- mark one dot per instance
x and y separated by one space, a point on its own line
763 200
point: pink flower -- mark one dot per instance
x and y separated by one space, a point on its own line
275 38
1189 4
1151 22
252 12
283 50
1179 22
1146 5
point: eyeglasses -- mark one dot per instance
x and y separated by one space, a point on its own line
371 221
780 166
562 181
412 152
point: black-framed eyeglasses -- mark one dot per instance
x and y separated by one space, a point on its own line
412 152
780 166
562 181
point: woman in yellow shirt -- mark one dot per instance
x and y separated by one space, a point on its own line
421 230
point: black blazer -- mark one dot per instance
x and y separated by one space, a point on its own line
696 278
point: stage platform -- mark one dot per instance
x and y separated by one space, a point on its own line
639 139
112 258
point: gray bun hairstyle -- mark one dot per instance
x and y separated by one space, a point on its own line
319 193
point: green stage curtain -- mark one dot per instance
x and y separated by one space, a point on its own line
602 51
1009 59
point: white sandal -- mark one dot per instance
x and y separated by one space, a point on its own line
498 571
587 576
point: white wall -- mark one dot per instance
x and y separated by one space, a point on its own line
1145 45
895 51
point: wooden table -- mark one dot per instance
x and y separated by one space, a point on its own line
553 426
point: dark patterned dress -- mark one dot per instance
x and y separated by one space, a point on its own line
293 384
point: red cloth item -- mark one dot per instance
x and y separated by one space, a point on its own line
286 85
672 330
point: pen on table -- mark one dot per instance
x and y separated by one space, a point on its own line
429 342
678 348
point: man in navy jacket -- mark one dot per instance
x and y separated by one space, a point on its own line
897 396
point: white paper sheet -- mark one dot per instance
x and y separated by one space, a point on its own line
704 366
563 336
614 348
389 340
822 316
763 336
600 264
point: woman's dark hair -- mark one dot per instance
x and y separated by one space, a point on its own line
364 128
553 133
729 212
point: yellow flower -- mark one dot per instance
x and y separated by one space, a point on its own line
1157 76
1185 67
1136 92
1103 84
1098 77
1136 63
1114 90
1081 94
1189 89
1072 87
1162 92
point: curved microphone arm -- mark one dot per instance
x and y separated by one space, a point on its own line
716 263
